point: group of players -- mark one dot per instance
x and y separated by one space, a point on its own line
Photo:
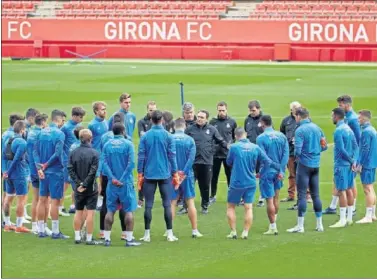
172 155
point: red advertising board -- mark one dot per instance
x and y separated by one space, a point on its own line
187 31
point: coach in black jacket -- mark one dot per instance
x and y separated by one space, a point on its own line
205 137
82 167
225 125
251 126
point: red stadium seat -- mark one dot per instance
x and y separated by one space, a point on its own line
357 17
352 10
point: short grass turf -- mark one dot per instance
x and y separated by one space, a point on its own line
348 252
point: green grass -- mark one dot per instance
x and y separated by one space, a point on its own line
341 253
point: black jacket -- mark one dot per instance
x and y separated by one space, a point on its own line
226 129
288 127
144 124
251 127
82 167
205 138
190 122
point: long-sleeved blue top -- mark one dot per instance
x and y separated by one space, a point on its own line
98 126
18 167
345 145
185 150
129 122
368 147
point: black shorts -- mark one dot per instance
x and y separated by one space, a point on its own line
86 201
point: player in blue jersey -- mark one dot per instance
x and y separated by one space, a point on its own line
4 137
118 165
157 165
40 123
48 158
15 171
275 145
185 152
345 102
243 157
310 142
77 115
345 156
129 117
367 164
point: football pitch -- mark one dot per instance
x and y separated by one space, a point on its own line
341 253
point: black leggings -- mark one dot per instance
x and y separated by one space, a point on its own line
104 209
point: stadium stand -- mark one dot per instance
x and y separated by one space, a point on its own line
335 10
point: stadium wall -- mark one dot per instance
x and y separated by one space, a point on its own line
183 39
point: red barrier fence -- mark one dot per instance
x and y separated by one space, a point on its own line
183 39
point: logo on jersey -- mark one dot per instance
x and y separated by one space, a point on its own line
146 125
207 132
131 121
227 125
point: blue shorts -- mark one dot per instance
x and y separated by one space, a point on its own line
368 176
52 185
34 181
246 194
343 178
268 184
186 190
17 186
124 196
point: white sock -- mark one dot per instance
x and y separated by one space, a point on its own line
300 222
147 233
77 235
334 202
19 221
89 237
369 212
244 232
319 222
41 226
170 233
276 218
45 226
195 231
55 226
343 211
25 211
354 205
7 220
374 210
107 235
129 235
124 233
273 226
350 213
101 232
34 226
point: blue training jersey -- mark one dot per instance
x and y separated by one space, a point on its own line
31 141
352 121
345 146
129 122
275 145
18 167
49 148
119 160
368 147
4 138
98 126
243 157
70 138
308 144
185 152
157 154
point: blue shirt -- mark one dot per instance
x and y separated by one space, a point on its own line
129 122
70 137
275 145
157 154
345 146
368 147
308 144
49 149
243 157
119 160
31 141
98 126
185 152
18 167
352 121
4 138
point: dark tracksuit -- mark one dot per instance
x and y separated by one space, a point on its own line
143 126
205 138
288 127
157 162
225 127
251 127
82 167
